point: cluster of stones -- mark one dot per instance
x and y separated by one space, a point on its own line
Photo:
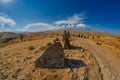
54 55
86 36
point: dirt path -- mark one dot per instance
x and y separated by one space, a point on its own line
109 64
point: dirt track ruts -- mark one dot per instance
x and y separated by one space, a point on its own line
109 64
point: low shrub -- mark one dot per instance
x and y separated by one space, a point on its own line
31 47
49 44
56 40
42 48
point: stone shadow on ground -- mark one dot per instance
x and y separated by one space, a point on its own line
73 63
69 63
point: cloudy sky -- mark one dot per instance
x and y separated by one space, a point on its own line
42 15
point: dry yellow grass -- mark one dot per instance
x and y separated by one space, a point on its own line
17 61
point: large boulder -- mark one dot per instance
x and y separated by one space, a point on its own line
53 56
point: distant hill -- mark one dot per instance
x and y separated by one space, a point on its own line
7 36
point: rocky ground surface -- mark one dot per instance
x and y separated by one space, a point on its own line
90 62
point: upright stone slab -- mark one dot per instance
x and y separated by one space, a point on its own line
66 41
53 56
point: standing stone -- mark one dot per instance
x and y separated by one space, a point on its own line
53 56
66 41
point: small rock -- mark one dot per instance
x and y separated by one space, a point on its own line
15 76
18 61
18 70
28 74
4 76
23 77
98 43
84 71
82 78
67 55
44 78
82 50
35 78
69 70
73 76
81 55
33 70
75 70
36 51
55 75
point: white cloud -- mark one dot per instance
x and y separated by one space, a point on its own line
5 20
76 21
70 20
81 25
38 27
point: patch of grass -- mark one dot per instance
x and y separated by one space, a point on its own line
42 48
56 40
49 44
3 44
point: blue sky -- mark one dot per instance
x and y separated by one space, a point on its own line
41 15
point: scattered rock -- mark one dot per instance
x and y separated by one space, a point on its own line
36 51
82 78
84 71
28 74
55 75
44 78
73 76
15 76
35 78
81 55
75 70
67 55
4 76
22 77
18 70
82 50
33 70
69 70
98 43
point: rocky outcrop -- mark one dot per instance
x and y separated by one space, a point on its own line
53 56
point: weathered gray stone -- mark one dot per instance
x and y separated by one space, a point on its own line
66 41
53 56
